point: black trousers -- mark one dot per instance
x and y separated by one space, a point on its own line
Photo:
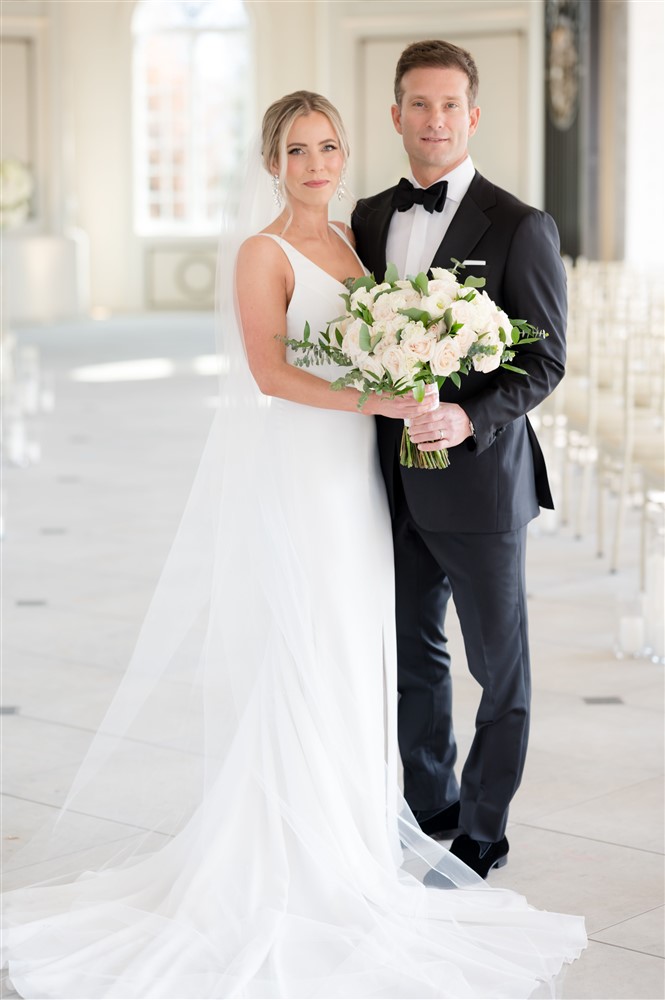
485 574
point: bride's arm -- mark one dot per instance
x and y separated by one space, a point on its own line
264 283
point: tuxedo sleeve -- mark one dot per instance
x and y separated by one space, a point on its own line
534 289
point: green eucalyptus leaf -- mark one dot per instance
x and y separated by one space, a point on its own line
421 283
365 281
417 315
419 392
512 368
471 282
392 274
364 338
306 333
455 379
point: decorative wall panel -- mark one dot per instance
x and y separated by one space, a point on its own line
180 277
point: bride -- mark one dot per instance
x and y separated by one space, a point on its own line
276 857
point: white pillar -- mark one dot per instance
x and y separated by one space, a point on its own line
645 204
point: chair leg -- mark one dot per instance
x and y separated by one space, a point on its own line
600 508
585 492
620 514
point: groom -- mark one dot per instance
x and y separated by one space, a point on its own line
461 532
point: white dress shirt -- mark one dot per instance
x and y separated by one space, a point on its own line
414 236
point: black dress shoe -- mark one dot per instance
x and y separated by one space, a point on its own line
481 857
443 825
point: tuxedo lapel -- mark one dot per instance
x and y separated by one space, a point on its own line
469 224
382 223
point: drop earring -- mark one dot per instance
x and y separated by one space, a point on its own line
276 192
341 186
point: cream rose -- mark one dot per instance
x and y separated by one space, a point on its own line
364 297
397 362
418 341
370 364
487 362
351 340
477 313
435 304
443 281
445 357
387 305
465 338
388 339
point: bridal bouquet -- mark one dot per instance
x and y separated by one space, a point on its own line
397 336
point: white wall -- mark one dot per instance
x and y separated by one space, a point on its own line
82 118
506 36
645 206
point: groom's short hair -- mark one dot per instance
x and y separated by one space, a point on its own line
436 52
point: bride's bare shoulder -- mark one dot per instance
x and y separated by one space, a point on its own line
259 251
345 230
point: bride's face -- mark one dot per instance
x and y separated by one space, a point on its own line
314 160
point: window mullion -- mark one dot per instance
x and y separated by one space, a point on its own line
183 94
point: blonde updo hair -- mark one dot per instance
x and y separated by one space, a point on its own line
277 122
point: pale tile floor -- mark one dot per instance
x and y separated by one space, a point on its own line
87 530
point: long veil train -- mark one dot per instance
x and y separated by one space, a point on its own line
266 862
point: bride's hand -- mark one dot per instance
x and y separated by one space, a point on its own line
402 407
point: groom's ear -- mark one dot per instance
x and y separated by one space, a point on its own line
397 117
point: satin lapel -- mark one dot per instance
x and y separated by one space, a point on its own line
469 225
384 215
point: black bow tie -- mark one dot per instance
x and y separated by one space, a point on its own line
432 198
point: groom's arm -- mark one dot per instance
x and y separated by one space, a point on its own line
534 289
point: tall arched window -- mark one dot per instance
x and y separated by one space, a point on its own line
192 105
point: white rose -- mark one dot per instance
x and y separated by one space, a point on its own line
394 325
397 362
487 362
370 364
435 304
342 325
443 281
378 289
417 341
351 340
477 313
388 305
465 338
501 321
362 295
389 339
445 357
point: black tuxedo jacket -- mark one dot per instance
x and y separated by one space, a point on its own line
498 482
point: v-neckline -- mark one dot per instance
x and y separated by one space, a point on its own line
313 262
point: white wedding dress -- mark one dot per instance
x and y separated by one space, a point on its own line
299 873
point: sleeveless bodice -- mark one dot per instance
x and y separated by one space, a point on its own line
315 300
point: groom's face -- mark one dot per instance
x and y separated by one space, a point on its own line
434 120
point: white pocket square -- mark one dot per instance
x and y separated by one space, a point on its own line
472 263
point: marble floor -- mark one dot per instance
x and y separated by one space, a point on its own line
88 526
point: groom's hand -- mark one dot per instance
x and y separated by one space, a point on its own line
444 427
